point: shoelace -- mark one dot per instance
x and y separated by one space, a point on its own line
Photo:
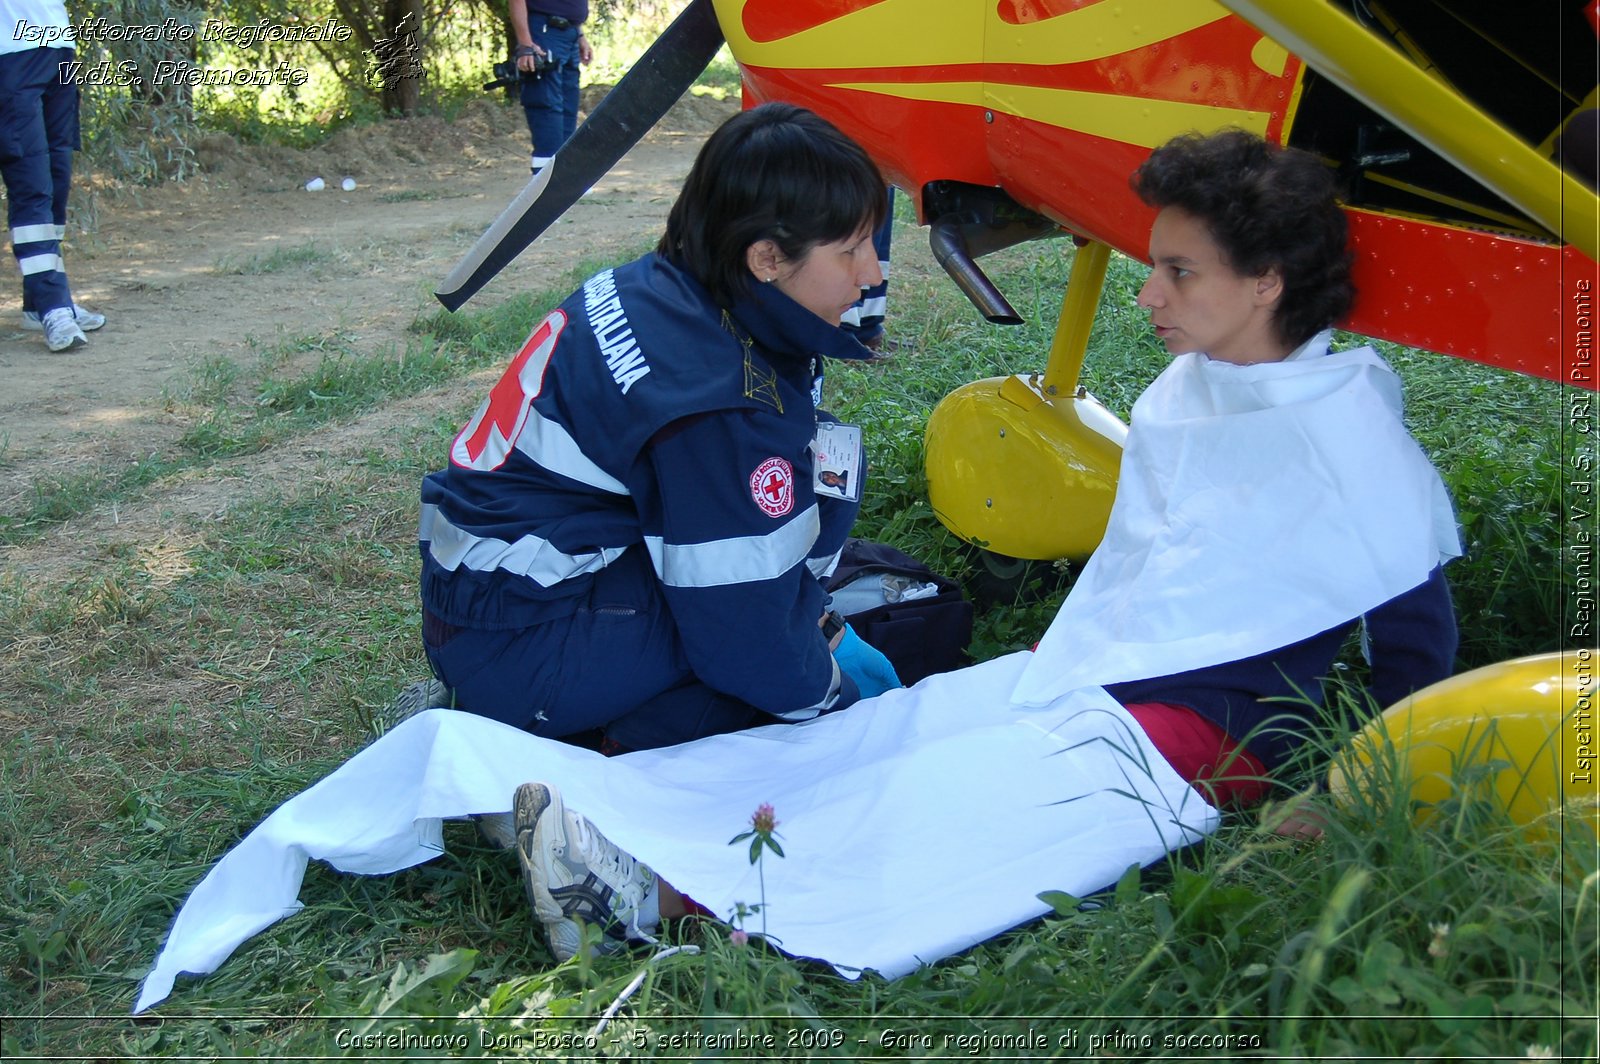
616 868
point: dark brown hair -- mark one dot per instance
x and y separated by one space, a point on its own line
1266 207
776 172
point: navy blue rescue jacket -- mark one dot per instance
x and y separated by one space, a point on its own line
640 416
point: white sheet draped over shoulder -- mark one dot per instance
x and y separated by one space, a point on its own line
1298 476
915 824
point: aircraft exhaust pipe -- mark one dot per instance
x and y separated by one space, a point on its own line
948 239
966 221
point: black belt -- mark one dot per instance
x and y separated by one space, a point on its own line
557 22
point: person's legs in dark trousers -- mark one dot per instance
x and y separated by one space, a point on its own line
29 169
570 76
865 319
615 664
685 713
62 134
550 100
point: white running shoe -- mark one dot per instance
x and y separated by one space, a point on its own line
87 320
573 875
61 332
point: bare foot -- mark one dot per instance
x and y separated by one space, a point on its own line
1295 819
1308 827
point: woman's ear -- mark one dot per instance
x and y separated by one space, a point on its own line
1269 286
763 258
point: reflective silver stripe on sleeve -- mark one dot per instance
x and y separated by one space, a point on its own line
550 445
741 560
529 556
795 716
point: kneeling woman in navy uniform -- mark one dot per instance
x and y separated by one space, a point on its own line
630 532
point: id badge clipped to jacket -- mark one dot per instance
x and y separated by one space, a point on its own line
836 472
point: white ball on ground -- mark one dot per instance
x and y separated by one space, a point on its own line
348 184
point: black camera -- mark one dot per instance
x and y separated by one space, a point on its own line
506 75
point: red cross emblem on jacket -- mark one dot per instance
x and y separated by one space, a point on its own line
772 487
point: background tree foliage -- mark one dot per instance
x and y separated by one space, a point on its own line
146 130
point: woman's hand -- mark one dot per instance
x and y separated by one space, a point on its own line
872 672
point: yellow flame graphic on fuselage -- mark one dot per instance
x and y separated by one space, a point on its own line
914 33
941 33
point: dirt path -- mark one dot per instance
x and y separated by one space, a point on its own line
216 271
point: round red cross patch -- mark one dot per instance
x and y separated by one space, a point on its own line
772 487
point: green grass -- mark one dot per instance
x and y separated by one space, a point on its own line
158 709
409 195
60 497
305 256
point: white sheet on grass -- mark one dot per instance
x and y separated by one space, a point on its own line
915 824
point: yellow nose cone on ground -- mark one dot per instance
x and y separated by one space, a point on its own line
1520 734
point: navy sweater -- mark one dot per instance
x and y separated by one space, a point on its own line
1413 644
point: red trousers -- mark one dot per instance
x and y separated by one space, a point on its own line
1202 753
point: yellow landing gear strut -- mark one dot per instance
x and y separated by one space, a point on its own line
1026 466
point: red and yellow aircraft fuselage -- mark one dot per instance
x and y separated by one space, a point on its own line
1057 101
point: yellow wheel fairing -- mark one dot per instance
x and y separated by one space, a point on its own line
1519 734
1020 473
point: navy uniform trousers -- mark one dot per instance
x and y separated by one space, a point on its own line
38 134
620 664
550 101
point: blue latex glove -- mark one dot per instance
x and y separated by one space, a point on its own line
865 664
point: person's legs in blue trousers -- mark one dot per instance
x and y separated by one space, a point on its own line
36 112
550 100
865 319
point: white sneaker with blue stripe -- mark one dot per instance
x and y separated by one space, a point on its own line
573 876
61 333
87 320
